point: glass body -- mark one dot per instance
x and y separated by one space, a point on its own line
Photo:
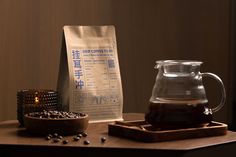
178 97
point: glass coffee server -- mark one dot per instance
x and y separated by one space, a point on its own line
178 96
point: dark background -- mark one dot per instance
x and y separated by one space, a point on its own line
146 30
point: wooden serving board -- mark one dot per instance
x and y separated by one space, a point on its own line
141 131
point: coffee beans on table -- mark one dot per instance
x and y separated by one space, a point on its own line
103 139
86 142
65 141
76 138
56 138
48 138
84 134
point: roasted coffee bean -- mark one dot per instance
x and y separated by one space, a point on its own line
55 135
48 138
55 140
86 142
76 138
103 139
60 137
82 114
84 134
65 141
79 135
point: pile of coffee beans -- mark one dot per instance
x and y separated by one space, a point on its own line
56 115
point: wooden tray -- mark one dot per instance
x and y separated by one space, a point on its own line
141 131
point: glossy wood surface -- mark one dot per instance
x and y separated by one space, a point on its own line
11 134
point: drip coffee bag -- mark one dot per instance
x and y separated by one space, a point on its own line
89 78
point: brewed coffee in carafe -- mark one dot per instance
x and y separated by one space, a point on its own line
178 98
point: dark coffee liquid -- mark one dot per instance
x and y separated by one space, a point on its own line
178 115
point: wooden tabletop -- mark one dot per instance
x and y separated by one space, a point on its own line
12 136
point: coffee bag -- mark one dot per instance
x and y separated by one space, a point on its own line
89 76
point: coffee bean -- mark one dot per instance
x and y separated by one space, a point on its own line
84 134
86 142
60 137
82 114
55 135
65 141
76 138
48 138
55 140
79 135
103 139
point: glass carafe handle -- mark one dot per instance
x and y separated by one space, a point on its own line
223 93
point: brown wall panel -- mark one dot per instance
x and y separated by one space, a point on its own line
147 30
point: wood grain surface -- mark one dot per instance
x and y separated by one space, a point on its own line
12 135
